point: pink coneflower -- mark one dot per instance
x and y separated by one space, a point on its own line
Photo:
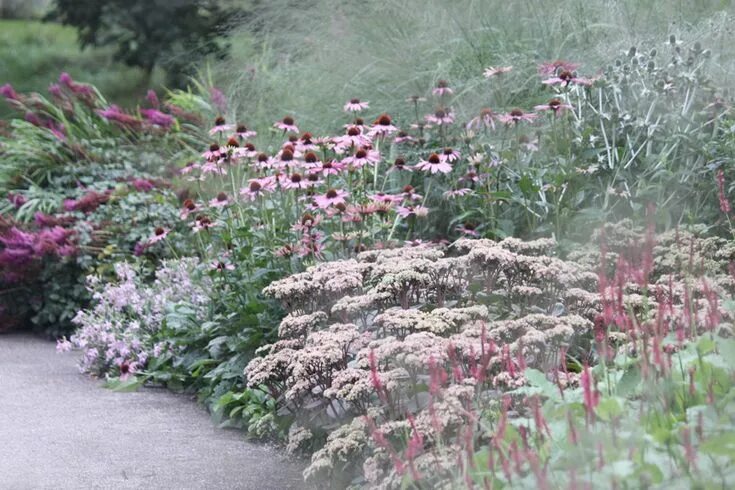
307 222
440 117
221 266
331 198
258 187
434 164
220 201
362 157
127 369
382 198
287 125
399 165
159 234
553 67
417 211
415 99
295 181
442 88
555 105
265 161
382 126
451 194
449 155
515 116
353 137
528 143
286 157
566 78
202 223
331 167
492 71
305 143
410 195
220 126
242 132
213 153
355 105
189 207
189 168
403 137
486 119
468 229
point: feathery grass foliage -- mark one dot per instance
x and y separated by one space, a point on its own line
386 51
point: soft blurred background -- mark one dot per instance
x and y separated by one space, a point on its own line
305 58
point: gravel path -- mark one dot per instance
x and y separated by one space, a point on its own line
61 430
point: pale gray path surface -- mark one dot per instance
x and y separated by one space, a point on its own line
60 430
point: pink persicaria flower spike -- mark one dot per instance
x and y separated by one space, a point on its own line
566 78
158 118
116 115
516 116
492 71
383 126
555 105
449 155
152 99
220 201
258 188
355 105
220 126
295 181
287 125
159 234
554 67
242 132
9 92
486 119
331 198
434 164
440 117
442 88
362 157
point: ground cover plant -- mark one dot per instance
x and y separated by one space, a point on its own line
491 364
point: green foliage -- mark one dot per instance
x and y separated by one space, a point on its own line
146 33
33 53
